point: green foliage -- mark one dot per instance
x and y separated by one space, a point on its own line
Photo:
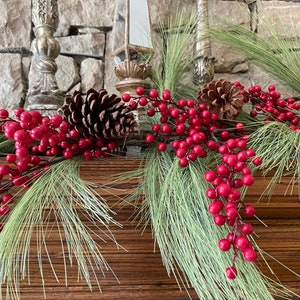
278 146
60 194
176 42
174 201
272 53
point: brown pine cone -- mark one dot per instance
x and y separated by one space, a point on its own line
98 115
222 97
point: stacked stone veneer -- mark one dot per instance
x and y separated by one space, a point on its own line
85 34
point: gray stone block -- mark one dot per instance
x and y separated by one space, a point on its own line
15 24
11 87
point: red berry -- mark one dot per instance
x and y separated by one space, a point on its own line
249 211
18 111
234 195
250 254
212 145
210 176
181 152
223 149
183 162
4 170
180 129
166 94
166 128
153 93
139 91
250 152
151 112
74 134
215 207
211 193
247 228
4 209
231 143
231 272
87 154
11 158
224 189
143 101
182 103
224 135
257 161
56 120
133 104
222 170
241 242
7 198
126 97
231 212
224 245
3 114
111 145
248 179
162 146
219 219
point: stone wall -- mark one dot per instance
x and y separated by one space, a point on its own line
85 34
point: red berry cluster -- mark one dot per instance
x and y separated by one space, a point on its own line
192 131
273 106
36 139
186 126
227 206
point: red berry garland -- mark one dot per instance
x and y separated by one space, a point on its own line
37 140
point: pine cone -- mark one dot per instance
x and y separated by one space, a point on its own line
222 97
98 116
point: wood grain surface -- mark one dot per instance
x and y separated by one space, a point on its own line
139 269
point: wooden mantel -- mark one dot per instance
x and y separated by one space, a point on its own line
139 269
